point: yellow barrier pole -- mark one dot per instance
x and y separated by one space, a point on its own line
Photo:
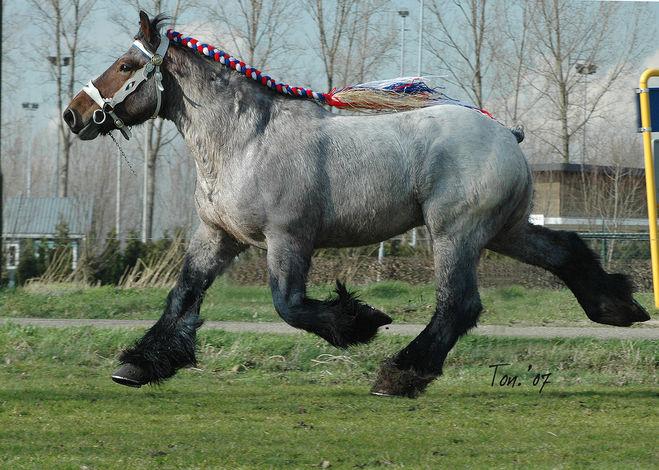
649 176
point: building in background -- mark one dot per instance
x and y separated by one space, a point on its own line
40 219
589 197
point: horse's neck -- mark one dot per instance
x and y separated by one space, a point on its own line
217 111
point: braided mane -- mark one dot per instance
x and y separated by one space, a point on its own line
399 94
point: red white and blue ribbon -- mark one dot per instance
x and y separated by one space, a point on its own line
393 95
241 67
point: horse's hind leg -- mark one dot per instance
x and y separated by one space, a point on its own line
606 298
170 343
342 321
456 255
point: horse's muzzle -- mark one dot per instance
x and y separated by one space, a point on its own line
73 120
88 131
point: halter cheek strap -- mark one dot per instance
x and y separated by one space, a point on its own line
151 69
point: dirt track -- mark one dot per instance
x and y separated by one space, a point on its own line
637 332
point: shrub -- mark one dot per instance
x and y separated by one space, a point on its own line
134 250
28 265
109 265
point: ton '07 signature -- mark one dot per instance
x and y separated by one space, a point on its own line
505 380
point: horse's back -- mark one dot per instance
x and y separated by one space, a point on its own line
437 148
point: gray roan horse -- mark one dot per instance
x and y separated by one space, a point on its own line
285 175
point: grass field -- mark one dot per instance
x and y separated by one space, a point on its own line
405 303
291 401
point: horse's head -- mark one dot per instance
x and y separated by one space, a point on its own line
127 93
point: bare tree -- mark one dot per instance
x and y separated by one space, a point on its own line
612 193
331 29
256 27
351 37
459 42
510 51
566 34
368 42
63 22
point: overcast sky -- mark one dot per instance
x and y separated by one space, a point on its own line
109 41
27 70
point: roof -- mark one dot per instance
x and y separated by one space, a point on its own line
29 217
577 168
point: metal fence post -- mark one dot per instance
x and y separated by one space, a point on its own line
646 128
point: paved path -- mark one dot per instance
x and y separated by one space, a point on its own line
399 329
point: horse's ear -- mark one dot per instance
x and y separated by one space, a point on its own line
146 28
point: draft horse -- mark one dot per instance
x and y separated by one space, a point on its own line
285 175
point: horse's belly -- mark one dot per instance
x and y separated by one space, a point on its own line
363 225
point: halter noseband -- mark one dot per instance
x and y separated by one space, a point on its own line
151 69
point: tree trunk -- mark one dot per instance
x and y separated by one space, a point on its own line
154 135
65 152
64 143
562 88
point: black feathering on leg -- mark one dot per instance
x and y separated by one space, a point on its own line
166 347
355 322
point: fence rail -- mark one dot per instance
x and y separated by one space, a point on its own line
615 236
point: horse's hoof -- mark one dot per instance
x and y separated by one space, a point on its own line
130 375
394 382
620 313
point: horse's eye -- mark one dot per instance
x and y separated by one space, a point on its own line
124 67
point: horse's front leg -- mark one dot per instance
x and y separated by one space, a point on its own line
170 343
341 321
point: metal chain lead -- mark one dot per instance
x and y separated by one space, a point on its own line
121 151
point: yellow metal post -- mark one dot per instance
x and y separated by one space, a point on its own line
649 176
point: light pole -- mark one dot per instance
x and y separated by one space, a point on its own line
584 68
58 62
419 71
420 45
30 109
403 14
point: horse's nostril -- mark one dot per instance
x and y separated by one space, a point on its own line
71 118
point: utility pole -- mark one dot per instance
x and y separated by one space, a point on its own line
117 219
145 207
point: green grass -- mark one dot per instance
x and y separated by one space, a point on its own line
291 401
406 303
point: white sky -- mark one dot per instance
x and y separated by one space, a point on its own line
107 41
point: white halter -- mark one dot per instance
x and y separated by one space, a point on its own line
151 69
